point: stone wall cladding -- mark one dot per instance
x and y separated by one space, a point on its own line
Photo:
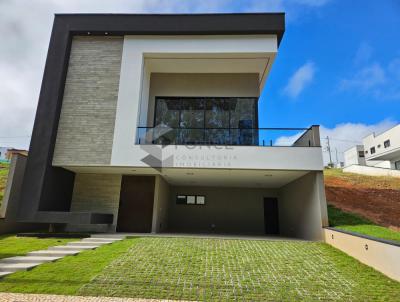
96 193
86 127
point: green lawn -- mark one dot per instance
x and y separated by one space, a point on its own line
209 270
354 223
3 179
67 275
11 245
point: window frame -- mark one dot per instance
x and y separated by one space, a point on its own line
185 197
372 150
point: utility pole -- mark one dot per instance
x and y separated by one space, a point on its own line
337 159
329 150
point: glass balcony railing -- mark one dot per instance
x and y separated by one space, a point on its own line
298 137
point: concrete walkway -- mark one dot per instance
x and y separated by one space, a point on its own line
57 298
33 259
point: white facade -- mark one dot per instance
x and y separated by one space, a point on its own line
383 150
354 156
144 56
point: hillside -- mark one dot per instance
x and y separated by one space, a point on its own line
3 179
375 198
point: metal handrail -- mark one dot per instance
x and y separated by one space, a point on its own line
221 128
257 135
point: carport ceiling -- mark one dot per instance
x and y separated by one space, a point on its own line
206 177
230 178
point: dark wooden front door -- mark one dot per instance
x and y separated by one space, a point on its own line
135 212
271 217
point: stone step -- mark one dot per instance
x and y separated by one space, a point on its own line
3 274
95 239
29 259
54 253
83 243
71 248
14 267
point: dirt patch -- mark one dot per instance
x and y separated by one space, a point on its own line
379 204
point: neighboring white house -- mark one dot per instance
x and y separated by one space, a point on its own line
377 152
383 150
355 156
3 151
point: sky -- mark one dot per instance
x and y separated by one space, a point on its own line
338 65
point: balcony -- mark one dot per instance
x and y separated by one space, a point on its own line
268 137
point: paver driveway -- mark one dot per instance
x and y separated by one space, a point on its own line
245 270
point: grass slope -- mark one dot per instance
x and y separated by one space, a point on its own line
366 181
3 178
355 223
66 275
11 245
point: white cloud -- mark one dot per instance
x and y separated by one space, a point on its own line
365 79
287 140
376 80
381 81
341 137
394 68
347 135
301 78
363 54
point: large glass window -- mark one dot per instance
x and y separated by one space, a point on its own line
217 116
208 120
168 112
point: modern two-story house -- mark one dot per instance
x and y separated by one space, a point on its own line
383 150
150 123
378 151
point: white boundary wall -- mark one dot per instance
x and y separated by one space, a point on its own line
383 257
372 171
